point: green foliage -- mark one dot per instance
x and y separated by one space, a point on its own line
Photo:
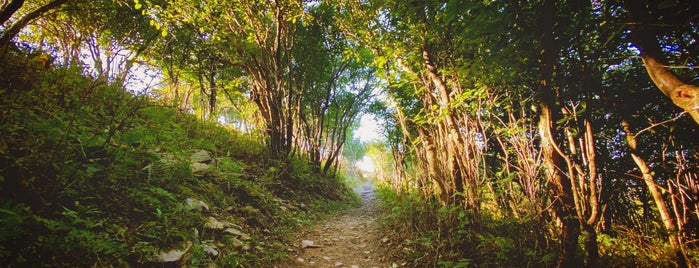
91 175
448 236
12 219
634 249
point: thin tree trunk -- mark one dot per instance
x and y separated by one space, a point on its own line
560 190
17 26
654 189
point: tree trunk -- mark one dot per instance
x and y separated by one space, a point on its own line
17 26
9 9
563 206
685 96
560 190
654 189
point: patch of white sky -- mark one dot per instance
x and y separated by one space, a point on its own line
369 130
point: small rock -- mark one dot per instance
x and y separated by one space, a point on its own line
233 231
202 156
199 167
384 240
174 255
193 203
339 264
354 266
326 258
236 243
213 223
211 250
245 237
308 244
299 259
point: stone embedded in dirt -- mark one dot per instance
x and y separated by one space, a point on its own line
233 231
354 266
299 259
236 243
199 167
202 156
237 232
326 258
174 255
211 249
213 223
245 236
384 240
193 203
308 244
339 264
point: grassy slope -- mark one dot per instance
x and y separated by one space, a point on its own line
82 181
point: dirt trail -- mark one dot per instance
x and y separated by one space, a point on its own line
351 239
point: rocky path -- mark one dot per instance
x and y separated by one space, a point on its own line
351 239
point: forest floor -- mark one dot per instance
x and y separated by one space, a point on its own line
352 238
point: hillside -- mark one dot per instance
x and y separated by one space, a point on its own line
91 175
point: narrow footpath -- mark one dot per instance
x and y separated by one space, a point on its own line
350 239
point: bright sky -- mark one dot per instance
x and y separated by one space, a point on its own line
368 131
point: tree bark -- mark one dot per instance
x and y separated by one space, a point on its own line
683 95
654 189
9 9
563 206
560 190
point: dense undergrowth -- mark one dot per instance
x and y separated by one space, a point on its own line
92 175
433 235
